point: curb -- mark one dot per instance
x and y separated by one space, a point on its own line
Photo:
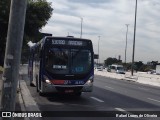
27 102
21 102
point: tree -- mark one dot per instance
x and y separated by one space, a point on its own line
4 15
138 65
110 61
37 14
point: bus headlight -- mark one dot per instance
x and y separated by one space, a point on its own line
90 80
47 80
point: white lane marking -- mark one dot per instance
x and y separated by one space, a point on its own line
123 111
109 87
153 100
97 99
142 88
120 109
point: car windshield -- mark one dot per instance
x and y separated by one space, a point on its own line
120 68
68 61
99 68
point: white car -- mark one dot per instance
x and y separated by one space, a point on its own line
120 70
99 69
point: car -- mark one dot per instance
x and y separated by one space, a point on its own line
99 68
151 72
109 68
120 70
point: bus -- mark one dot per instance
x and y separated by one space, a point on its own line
62 64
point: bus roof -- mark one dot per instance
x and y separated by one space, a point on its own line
63 37
43 40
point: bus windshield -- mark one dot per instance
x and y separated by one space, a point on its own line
68 61
120 68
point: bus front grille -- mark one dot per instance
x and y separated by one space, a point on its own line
63 89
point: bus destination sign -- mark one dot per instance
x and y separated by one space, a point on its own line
68 42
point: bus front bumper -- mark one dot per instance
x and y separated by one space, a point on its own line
51 88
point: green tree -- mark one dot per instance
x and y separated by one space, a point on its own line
37 14
110 61
138 65
4 15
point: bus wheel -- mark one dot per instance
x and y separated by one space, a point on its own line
78 93
32 84
41 94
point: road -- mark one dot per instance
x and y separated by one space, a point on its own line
108 95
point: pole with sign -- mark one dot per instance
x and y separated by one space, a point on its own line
13 54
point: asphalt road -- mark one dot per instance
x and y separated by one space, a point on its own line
108 95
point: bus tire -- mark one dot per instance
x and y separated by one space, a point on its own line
41 93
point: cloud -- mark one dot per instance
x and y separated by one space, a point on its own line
107 18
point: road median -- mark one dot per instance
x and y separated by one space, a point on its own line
140 77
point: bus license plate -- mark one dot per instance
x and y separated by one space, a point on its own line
69 91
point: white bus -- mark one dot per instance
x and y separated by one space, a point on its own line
117 69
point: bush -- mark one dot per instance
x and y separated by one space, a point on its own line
1 69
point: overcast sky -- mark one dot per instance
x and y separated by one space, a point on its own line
107 19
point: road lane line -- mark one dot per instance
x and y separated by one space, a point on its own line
97 99
142 88
120 109
153 100
123 111
109 87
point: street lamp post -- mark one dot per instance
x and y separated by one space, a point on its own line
126 42
98 49
81 27
134 38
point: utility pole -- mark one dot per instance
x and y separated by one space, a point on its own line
81 27
13 55
98 49
126 42
134 39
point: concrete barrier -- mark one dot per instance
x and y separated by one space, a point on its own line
109 74
140 77
149 80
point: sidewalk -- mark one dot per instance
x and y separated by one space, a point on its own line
18 104
0 88
24 100
140 77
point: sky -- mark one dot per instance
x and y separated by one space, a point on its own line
108 19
